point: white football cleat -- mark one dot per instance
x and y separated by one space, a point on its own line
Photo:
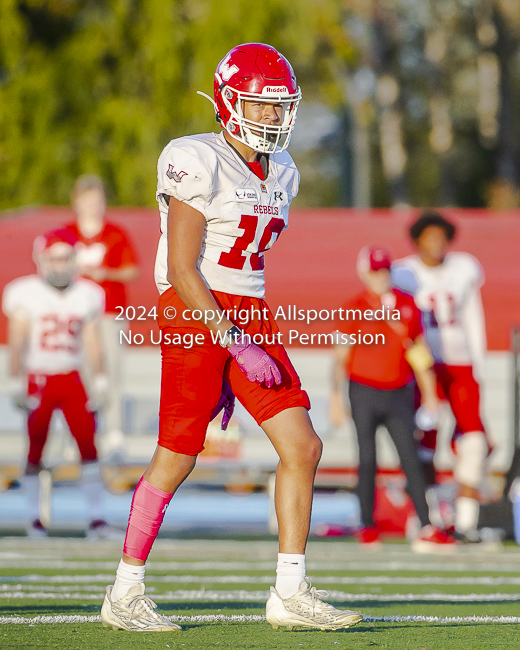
306 609
134 612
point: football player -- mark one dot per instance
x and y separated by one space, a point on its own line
53 321
106 256
224 200
446 286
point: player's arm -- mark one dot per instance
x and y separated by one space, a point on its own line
420 359
19 330
126 273
185 234
93 351
472 318
92 346
19 327
338 412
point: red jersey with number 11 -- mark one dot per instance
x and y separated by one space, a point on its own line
244 214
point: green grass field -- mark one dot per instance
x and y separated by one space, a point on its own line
51 592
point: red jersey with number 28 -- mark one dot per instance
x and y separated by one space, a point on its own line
244 214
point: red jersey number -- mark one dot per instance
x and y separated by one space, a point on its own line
451 310
60 333
236 257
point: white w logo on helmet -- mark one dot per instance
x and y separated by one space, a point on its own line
226 70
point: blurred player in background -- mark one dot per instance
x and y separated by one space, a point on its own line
53 324
381 390
446 286
106 256
223 200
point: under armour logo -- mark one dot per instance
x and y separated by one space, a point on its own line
164 508
177 176
278 196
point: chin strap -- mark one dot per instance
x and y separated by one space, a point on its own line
199 92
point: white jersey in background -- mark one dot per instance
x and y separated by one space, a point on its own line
56 320
449 297
244 214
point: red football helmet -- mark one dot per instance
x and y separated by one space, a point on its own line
256 72
55 256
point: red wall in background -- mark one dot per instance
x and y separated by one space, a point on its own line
312 266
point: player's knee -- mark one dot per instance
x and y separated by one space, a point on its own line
315 451
471 451
306 454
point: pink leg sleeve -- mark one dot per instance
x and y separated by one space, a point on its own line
146 516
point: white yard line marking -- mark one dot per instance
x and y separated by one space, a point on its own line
108 578
23 588
443 619
430 563
241 595
237 618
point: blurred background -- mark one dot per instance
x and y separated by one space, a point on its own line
407 104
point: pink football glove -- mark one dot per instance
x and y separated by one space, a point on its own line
255 362
226 401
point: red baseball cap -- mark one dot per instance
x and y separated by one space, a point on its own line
373 258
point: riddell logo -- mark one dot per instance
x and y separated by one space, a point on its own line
275 90
176 176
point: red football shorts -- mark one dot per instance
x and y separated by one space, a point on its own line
65 392
191 379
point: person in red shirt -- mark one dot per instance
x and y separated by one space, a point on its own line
381 387
106 256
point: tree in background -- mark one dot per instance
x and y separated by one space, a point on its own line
91 86
444 101
405 102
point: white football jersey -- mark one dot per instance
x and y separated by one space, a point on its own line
244 215
56 320
449 297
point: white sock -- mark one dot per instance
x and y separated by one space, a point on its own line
91 485
127 576
466 514
31 489
432 500
290 571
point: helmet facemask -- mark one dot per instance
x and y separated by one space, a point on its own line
265 138
57 265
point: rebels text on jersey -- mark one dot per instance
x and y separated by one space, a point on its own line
56 320
449 297
244 214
